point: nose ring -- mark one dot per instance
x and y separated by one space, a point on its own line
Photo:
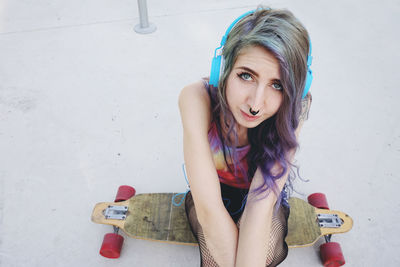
253 112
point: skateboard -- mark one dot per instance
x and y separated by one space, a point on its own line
155 217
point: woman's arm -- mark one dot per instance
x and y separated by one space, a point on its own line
255 224
219 230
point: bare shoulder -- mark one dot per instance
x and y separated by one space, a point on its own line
194 106
194 92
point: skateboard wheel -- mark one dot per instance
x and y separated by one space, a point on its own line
125 192
331 254
318 200
111 247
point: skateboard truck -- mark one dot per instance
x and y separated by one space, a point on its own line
112 242
329 220
331 254
116 212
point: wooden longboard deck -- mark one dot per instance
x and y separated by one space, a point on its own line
151 217
154 217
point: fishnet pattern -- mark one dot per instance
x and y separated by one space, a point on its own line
206 258
277 249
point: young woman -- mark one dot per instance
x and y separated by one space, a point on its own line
240 135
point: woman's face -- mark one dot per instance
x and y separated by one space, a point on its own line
254 82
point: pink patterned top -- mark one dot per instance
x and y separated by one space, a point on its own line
234 178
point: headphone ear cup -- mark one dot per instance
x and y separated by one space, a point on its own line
309 79
215 71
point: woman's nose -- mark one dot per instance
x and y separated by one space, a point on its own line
257 98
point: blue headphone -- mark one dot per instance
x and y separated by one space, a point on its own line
217 65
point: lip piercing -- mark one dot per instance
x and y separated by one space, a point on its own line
254 112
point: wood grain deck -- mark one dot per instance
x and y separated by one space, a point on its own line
303 228
153 216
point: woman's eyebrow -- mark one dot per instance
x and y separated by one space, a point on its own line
247 69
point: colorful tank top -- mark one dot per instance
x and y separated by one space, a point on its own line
228 175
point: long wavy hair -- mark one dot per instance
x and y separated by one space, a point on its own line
285 37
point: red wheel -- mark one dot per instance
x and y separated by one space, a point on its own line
125 192
318 200
331 254
111 247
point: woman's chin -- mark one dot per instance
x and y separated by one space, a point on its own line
248 124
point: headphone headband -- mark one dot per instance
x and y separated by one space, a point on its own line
233 25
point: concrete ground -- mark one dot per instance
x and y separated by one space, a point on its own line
87 104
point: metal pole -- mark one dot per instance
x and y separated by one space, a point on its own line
144 26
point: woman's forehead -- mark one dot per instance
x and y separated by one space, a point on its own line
258 59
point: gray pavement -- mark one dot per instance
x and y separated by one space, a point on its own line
87 104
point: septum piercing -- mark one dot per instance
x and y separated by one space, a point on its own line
253 112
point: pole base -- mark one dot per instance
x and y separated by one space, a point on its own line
147 30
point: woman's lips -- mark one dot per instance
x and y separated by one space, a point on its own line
248 117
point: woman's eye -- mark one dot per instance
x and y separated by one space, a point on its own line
245 76
277 86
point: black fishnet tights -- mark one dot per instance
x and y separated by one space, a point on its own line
277 249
